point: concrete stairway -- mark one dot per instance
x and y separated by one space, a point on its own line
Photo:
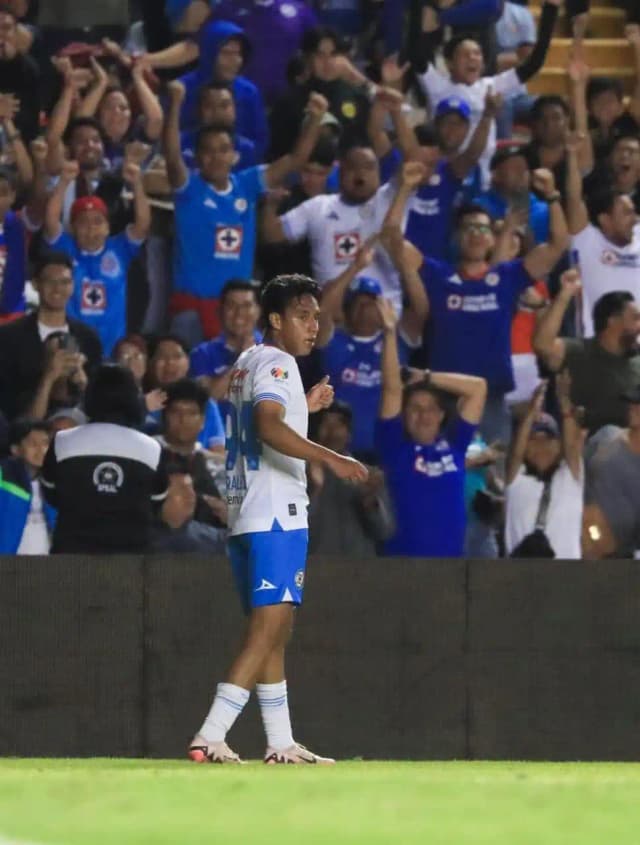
607 50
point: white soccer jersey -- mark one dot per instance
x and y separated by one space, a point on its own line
605 267
438 87
265 489
336 230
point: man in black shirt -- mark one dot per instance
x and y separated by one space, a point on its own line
105 477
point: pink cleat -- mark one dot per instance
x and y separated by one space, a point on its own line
201 751
295 754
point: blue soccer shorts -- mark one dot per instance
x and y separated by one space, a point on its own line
269 566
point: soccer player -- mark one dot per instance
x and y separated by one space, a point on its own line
267 501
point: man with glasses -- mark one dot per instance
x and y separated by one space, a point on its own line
471 305
31 363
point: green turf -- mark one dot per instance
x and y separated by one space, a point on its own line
138 802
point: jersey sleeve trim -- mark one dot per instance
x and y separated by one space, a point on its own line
159 497
48 484
270 397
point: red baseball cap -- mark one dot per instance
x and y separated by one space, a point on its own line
88 203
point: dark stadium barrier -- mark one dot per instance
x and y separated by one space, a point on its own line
394 659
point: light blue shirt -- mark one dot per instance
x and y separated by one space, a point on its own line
515 27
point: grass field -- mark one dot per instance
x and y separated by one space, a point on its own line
138 802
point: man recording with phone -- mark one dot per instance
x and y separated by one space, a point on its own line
45 357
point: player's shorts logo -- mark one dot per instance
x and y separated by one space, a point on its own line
279 374
346 245
228 241
93 297
108 477
298 579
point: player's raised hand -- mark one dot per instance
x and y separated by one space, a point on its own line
347 468
155 400
579 70
430 20
9 106
131 172
632 34
39 149
70 171
574 142
387 314
317 106
536 403
365 254
413 172
177 92
391 72
320 396
570 283
543 181
492 104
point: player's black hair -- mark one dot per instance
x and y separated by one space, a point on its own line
8 175
601 84
467 209
449 49
241 285
23 426
78 123
50 257
547 101
280 292
610 305
187 390
601 201
313 37
212 129
167 338
113 397
426 135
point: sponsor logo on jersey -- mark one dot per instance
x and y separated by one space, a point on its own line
108 477
228 241
612 258
279 374
434 469
109 265
93 297
346 245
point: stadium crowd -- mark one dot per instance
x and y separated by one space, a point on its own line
477 248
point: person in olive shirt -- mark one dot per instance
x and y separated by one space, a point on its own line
602 368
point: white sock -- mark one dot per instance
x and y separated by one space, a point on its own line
227 706
274 707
